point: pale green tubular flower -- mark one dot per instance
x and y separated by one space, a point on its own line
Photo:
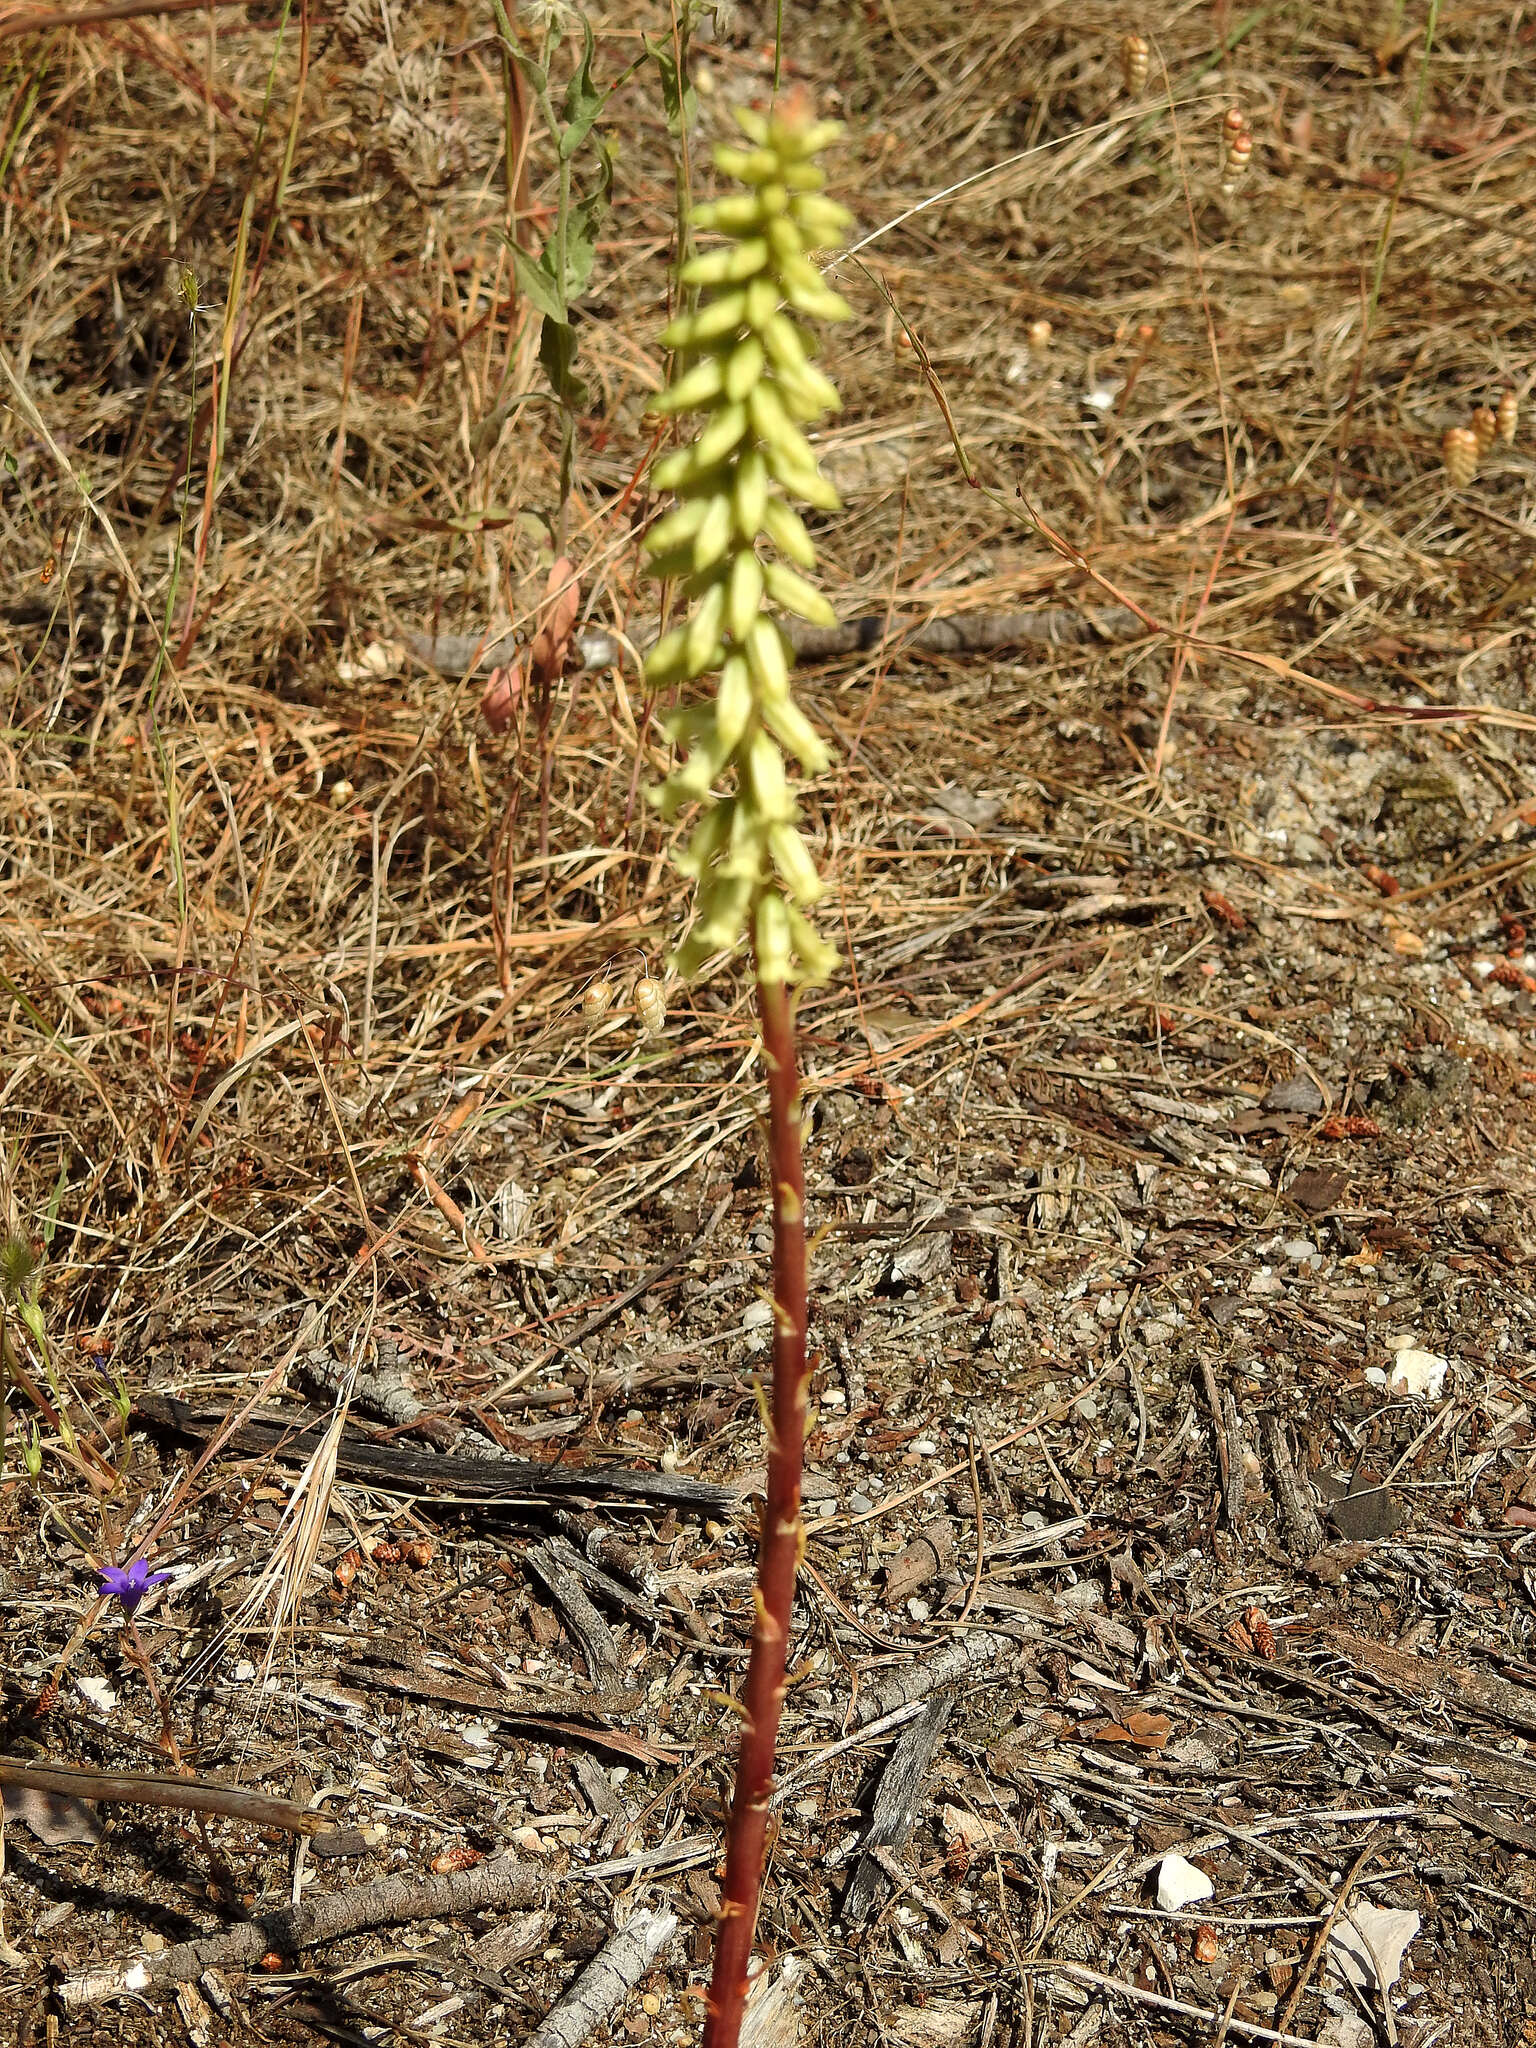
737 545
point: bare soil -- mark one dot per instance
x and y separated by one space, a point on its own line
1176 1093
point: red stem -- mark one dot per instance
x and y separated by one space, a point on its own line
781 1542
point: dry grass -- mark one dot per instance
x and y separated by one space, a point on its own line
332 827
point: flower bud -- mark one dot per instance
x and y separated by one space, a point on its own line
738 546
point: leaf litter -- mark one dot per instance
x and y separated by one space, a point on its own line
1188 1064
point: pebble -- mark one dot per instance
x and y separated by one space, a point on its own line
1296 1249
1087 1407
1157 1333
859 1503
925 1447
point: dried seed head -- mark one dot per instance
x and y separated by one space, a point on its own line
18 1262
347 1566
1207 1947
1508 415
1135 58
1485 426
1038 333
650 1005
597 1001
1236 148
1459 452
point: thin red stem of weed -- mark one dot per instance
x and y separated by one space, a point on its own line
782 1539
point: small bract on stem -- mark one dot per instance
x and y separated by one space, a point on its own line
736 546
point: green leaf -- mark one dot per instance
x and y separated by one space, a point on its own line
583 101
587 216
557 352
536 281
536 75
680 103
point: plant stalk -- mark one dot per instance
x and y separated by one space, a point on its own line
781 1543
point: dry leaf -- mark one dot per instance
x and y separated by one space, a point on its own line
53 1817
557 620
498 706
1146 1731
1367 1949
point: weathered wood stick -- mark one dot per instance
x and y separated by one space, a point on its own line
460 654
154 1788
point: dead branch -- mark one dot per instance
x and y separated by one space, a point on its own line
961 1659
1305 1531
460 654
605 1983
895 1810
389 1901
151 1788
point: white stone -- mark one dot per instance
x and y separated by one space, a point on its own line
1417 1373
1180 1884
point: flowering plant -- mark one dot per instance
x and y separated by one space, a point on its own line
128 1584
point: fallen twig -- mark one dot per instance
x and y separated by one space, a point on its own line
606 1981
396 1468
458 654
388 1901
900 1788
152 1788
1081 1974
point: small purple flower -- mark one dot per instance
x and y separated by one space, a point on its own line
130 1584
